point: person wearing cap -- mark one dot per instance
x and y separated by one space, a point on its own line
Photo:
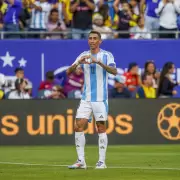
119 90
19 92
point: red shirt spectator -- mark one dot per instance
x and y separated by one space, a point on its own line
49 82
132 77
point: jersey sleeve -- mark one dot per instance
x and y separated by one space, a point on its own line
110 60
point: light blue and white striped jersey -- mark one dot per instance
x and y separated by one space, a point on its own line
95 77
39 19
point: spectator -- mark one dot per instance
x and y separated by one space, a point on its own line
125 17
150 69
110 4
119 90
167 11
57 93
55 25
2 94
3 8
146 90
151 19
66 12
104 12
11 18
2 84
142 32
28 88
135 7
82 17
63 16
39 19
74 82
2 80
19 73
98 25
166 84
132 78
49 82
19 92
10 84
24 17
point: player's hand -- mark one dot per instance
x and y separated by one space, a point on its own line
83 60
94 60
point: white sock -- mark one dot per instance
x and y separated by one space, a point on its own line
80 143
103 142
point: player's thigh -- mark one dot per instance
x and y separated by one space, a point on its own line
84 110
100 110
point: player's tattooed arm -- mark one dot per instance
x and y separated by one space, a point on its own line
109 69
72 68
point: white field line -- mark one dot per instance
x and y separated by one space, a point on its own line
110 167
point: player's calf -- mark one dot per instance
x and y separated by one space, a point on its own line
103 142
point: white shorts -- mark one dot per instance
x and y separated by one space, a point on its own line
86 109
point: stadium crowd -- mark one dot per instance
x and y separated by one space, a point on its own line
75 18
149 84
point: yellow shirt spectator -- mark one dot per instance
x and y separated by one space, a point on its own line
146 92
3 8
67 4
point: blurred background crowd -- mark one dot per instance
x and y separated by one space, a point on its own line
132 84
73 19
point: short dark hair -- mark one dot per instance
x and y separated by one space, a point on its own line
95 32
131 65
50 75
18 69
54 10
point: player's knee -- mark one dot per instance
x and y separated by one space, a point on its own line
101 127
79 126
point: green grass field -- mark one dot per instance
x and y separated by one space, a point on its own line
125 163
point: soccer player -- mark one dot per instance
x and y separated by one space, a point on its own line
96 63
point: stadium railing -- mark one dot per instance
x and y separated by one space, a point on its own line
4 33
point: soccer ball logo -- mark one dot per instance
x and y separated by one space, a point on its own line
169 121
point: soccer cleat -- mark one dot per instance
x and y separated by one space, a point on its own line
78 165
100 165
